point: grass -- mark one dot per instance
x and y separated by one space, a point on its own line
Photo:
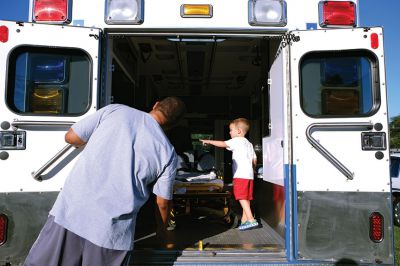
397 245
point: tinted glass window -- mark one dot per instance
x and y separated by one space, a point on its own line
339 84
48 81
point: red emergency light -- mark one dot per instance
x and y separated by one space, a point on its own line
337 13
376 227
51 11
3 34
3 229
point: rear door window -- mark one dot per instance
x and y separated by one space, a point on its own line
339 84
48 81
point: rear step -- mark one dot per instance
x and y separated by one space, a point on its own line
144 257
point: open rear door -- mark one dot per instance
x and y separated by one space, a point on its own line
340 146
48 76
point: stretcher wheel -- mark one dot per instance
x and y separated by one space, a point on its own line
231 219
171 225
171 221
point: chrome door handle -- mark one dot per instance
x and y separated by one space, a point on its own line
37 175
324 152
29 123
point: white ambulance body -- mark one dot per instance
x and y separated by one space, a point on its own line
311 82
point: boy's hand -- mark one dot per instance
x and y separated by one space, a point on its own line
217 143
204 141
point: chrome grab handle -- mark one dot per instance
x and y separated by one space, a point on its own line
37 175
22 123
324 152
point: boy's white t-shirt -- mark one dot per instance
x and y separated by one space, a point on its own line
242 157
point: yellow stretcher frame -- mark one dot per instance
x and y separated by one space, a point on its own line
196 192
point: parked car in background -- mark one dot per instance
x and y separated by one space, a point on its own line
395 176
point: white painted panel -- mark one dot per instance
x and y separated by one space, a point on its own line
313 171
41 144
273 145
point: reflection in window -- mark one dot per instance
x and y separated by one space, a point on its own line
338 84
394 166
48 81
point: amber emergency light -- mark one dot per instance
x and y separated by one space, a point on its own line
337 13
196 11
51 11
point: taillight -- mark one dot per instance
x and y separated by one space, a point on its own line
374 41
337 13
3 34
51 11
3 229
376 227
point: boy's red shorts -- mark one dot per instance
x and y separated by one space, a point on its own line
243 188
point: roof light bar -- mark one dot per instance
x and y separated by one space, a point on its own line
124 12
267 12
337 13
52 11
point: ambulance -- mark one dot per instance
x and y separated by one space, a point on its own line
307 76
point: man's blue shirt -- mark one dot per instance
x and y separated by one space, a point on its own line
126 158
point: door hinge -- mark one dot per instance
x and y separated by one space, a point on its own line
95 36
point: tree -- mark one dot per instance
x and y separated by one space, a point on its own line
394 126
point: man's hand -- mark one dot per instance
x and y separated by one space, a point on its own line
162 214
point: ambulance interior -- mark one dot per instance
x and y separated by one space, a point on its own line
219 78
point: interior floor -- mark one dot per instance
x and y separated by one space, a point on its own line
209 233
207 229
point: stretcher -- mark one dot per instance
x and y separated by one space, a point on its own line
202 193
187 182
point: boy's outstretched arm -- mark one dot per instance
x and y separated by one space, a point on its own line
217 143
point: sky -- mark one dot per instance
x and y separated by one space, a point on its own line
371 13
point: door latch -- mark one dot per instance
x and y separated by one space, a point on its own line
12 140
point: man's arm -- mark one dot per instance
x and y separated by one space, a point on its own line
162 216
217 143
72 138
163 212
